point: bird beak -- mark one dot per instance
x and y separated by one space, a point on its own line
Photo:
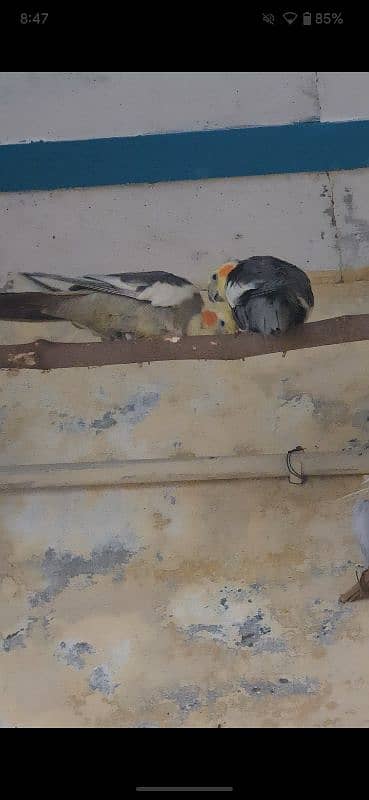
213 295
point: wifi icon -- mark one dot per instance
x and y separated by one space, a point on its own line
290 17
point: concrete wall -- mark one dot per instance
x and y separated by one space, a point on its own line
234 585
184 227
319 221
316 221
84 105
343 95
185 605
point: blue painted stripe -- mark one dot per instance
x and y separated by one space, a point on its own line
305 147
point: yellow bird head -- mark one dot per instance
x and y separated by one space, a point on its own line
216 287
213 321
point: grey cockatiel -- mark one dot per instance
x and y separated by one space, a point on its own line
133 303
360 527
267 295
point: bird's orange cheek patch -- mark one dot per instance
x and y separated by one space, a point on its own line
209 318
226 269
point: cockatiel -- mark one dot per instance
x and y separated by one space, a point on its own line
132 304
360 526
266 295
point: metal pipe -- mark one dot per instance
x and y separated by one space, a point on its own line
168 470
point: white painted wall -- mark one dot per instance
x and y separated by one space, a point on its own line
187 227
85 105
343 95
316 221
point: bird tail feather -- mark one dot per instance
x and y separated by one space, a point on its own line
32 306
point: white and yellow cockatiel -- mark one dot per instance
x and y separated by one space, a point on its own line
122 305
266 295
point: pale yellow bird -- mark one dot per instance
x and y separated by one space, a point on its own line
133 304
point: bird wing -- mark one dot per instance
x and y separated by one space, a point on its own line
236 287
268 275
158 288
241 317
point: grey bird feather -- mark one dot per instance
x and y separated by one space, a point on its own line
159 288
123 305
267 295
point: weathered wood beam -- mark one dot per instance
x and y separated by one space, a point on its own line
46 355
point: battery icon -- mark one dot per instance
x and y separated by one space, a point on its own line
306 18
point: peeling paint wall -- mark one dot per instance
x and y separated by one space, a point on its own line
229 619
191 605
